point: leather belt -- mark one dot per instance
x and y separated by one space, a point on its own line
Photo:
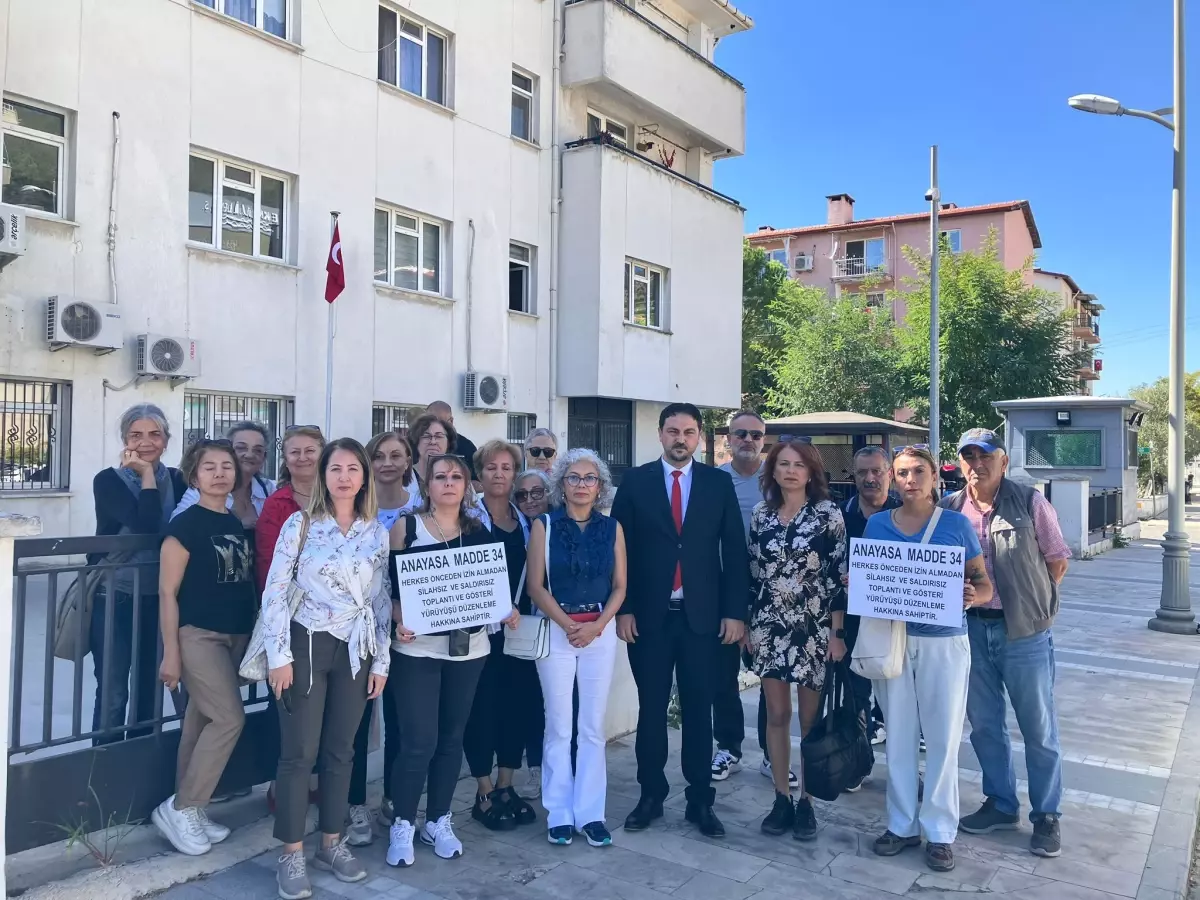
986 613
675 605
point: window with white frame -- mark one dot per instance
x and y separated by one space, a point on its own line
779 256
408 251
522 105
644 289
270 16
520 277
519 426
598 124
876 299
35 418
412 56
35 157
393 416
253 206
209 415
952 240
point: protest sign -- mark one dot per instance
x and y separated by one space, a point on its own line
441 590
912 582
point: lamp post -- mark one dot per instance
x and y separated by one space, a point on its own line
1174 612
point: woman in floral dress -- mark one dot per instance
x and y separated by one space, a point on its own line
797 559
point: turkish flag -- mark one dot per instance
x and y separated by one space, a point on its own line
335 272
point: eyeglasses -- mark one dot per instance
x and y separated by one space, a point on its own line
589 480
742 433
531 494
257 450
795 439
430 436
898 450
543 452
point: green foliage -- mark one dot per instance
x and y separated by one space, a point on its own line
764 283
1001 339
1154 429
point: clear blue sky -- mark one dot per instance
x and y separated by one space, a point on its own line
849 96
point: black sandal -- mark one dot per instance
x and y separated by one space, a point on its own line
497 816
522 812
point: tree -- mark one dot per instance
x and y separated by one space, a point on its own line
1153 433
1001 338
764 283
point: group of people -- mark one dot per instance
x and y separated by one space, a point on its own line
695 569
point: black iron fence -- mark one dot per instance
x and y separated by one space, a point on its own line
1104 511
91 737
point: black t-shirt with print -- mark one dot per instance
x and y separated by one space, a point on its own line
217 591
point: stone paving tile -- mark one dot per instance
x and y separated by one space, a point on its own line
1077 871
568 881
707 857
875 873
704 886
779 880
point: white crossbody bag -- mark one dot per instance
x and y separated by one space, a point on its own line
879 650
530 640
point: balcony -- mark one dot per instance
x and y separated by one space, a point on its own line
852 268
622 56
618 206
1086 329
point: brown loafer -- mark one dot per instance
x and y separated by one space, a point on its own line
888 844
939 857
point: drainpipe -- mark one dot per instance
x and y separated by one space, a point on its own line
555 202
112 207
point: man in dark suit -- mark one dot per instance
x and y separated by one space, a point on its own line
688 589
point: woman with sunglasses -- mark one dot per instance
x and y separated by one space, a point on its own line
929 696
797 559
206 610
434 675
540 447
576 576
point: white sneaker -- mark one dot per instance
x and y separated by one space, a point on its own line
212 830
440 836
181 827
765 771
880 736
400 844
358 828
724 764
533 790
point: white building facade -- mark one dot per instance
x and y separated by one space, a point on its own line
504 209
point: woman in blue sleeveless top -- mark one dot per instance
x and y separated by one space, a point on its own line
581 595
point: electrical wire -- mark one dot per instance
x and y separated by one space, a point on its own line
337 38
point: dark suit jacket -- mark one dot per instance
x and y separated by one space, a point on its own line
712 548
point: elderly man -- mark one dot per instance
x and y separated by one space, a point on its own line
1012 648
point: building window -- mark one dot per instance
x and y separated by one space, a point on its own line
520 278
598 124
876 299
210 415
952 240
35 157
35 424
519 426
1064 448
605 426
408 251
868 255
412 56
644 286
779 256
522 106
244 195
393 417
266 15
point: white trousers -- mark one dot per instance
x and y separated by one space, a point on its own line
577 799
929 698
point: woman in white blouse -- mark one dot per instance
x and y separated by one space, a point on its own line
328 656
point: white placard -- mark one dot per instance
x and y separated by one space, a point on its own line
912 582
458 588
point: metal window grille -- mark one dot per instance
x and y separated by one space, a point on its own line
519 426
391 417
35 420
1064 449
210 415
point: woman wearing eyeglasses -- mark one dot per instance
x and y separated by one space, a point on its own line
430 437
929 696
249 441
540 447
797 559
576 576
434 675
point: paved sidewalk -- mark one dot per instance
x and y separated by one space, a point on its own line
1130 733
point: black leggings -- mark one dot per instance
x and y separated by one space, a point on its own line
391 746
499 728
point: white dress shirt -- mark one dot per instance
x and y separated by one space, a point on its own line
685 490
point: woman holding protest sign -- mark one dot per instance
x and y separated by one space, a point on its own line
797 559
929 696
435 674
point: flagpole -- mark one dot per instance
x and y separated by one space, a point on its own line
329 329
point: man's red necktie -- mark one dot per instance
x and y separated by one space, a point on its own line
677 515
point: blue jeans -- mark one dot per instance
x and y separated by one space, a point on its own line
1024 669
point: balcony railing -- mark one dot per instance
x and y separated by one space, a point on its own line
855 267
1087 329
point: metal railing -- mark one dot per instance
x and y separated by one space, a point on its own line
1104 511
855 267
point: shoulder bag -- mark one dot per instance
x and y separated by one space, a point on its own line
72 624
530 640
254 663
879 651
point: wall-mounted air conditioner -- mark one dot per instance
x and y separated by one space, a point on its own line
485 391
163 356
12 233
804 262
82 323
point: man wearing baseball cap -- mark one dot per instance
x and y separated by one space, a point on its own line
1012 648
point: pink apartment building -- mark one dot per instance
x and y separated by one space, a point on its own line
865 255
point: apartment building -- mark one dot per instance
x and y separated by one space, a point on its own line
1083 311
542 222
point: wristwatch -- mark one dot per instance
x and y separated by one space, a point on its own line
839 633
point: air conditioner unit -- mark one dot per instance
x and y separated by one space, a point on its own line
12 233
485 391
163 356
804 262
80 323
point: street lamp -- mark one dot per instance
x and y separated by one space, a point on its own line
1174 612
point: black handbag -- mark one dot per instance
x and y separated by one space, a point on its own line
837 750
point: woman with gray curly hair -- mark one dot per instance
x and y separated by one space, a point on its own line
576 576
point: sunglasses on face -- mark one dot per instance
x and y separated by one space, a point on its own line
898 450
298 427
742 433
531 494
795 439
214 442
589 480
543 452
